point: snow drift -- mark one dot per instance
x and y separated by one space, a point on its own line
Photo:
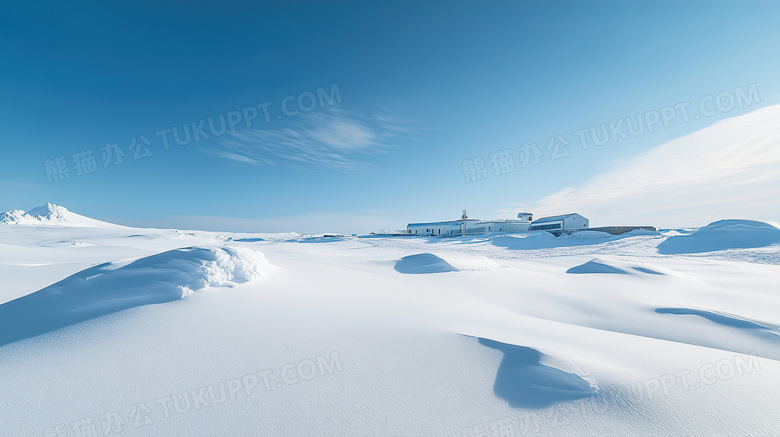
722 235
545 240
525 380
597 265
714 317
119 285
422 263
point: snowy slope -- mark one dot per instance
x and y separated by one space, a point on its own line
503 335
723 170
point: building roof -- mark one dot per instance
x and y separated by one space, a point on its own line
448 222
553 218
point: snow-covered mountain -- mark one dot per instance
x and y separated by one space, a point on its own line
49 214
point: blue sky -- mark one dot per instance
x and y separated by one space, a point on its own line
405 93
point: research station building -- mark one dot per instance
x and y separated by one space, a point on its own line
560 223
467 226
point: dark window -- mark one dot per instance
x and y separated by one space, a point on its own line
546 227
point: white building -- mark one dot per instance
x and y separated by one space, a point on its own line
521 224
560 223
452 228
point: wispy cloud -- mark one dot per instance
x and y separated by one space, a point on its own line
728 170
334 139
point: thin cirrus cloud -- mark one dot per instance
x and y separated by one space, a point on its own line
336 139
728 170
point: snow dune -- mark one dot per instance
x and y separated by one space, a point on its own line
422 263
722 235
721 319
546 240
119 285
724 330
597 265
525 382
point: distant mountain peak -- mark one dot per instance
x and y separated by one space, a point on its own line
48 214
12 216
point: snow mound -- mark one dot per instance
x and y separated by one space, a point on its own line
530 240
119 285
422 263
597 265
527 378
729 320
639 233
469 262
723 235
587 235
49 214
545 240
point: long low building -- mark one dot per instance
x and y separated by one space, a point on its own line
523 223
449 228
467 226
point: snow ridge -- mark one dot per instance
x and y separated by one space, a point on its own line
116 286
